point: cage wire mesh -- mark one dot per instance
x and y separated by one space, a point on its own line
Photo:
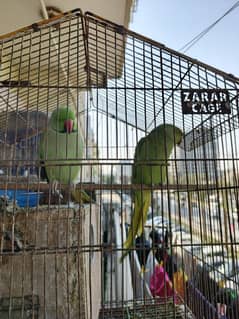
69 188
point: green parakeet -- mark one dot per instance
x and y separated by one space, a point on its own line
150 161
60 147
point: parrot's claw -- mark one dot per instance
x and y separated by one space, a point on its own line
59 194
55 190
54 187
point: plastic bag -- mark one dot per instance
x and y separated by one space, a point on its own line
160 284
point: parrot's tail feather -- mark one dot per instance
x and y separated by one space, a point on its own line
85 197
141 205
144 210
124 254
80 196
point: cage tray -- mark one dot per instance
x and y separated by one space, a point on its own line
160 309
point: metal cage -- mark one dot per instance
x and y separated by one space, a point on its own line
61 247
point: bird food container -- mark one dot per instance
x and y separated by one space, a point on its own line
23 198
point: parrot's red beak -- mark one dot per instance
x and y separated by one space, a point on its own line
68 125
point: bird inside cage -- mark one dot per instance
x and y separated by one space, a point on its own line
61 150
150 167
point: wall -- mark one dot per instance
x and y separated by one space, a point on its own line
47 260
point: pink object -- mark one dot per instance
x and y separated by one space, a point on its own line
160 284
68 125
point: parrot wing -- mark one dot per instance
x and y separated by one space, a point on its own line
60 153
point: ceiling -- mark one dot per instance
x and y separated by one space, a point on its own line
49 62
15 14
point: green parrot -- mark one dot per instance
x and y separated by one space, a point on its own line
60 147
149 168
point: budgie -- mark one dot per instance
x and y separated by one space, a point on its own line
61 146
149 167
